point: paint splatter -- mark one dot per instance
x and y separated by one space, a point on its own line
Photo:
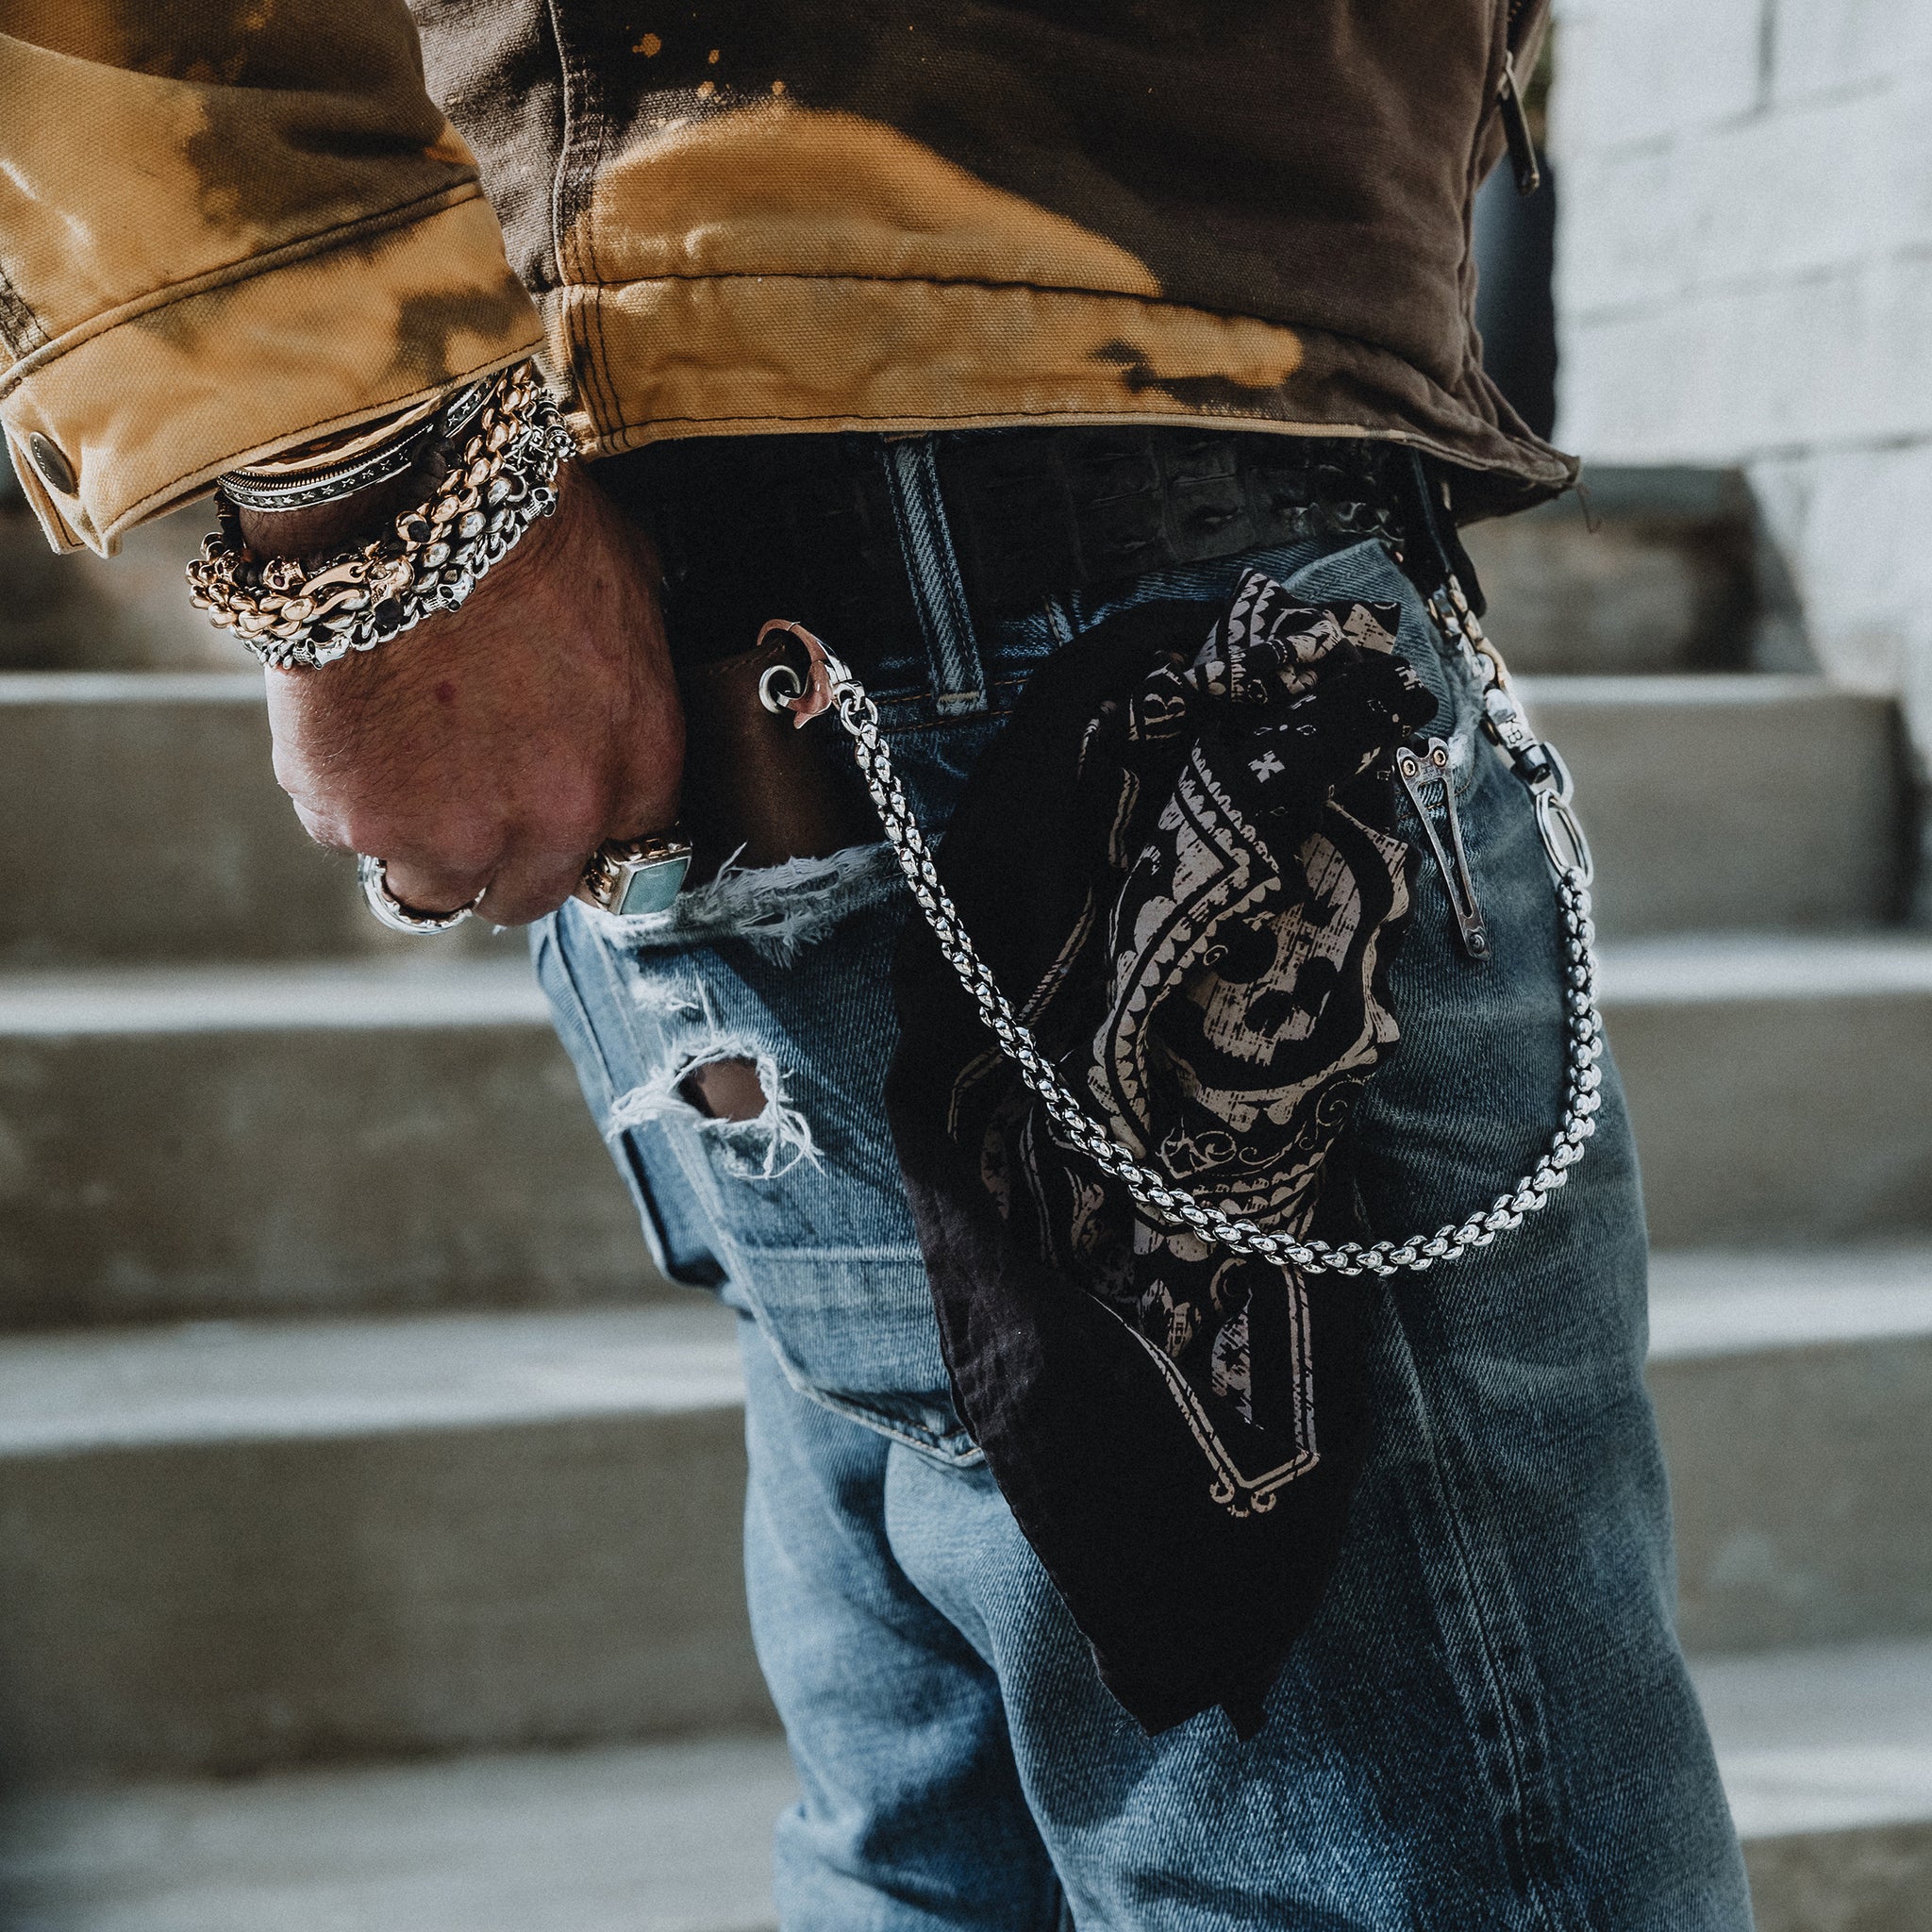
649 44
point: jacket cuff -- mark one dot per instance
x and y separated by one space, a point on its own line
138 411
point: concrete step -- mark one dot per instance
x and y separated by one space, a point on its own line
145 824
659 1838
231 1545
1827 1754
208 1140
1794 1395
1733 803
1778 1084
225 1547
331 1138
203 1140
1647 569
1714 803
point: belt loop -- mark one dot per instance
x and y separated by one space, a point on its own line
932 569
1432 526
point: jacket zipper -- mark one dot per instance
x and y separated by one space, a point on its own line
1522 161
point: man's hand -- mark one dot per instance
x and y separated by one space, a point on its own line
495 746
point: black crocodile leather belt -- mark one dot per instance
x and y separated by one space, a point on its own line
806 525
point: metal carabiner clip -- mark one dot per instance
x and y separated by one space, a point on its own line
1417 768
1564 844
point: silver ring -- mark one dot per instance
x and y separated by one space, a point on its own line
373 877
630 876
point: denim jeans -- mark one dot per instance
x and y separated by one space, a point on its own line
1488 1725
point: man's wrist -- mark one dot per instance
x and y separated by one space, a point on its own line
300 591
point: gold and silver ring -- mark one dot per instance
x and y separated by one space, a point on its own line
626 877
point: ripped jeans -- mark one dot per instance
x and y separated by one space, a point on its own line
1488 1725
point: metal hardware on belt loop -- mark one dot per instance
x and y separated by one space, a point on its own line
832 686
1539 765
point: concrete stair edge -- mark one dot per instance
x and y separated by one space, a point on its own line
225 1548
210 687
1792 1391
1736 1302
1776 1084
298 995
1714 966
266 1380
1668 769
1824 1737
672 1836
1827 1757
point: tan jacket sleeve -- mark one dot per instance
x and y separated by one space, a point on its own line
225 227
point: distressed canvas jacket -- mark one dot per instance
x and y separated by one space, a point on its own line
229 225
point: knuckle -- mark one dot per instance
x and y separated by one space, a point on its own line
373 833
446 851
323 827
577 817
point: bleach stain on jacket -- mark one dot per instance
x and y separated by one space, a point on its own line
224 229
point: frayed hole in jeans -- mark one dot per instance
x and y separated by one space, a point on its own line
724 1090
735 1097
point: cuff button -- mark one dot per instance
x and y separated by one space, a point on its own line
56 473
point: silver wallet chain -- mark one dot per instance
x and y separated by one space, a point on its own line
1541 769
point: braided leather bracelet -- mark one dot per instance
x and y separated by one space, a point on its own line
487 491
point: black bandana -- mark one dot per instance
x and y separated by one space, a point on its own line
1182 872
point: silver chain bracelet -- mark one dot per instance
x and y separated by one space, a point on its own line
277 488
1156 1196
488 488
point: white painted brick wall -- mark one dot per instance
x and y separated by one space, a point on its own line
1827 359
1823 46
1745 276
1830 183
1637 70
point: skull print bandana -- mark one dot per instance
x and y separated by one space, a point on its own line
1181 867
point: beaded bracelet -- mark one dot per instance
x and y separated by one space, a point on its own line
485 493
